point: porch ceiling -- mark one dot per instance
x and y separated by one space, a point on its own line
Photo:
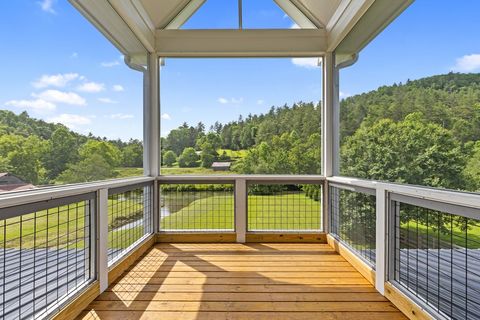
138 27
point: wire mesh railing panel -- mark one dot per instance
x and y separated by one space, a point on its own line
284 207
130 218
437 258
352 220
45 255
197 207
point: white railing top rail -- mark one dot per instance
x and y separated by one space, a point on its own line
264 178
455 197
10 199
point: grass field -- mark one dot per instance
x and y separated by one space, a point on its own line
265 212
62 227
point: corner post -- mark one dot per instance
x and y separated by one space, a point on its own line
102 238
381 239
330 128
241 210
151 130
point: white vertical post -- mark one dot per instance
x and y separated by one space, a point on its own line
102 238
330 128
151 130
151 117
381 239
241 209
330 117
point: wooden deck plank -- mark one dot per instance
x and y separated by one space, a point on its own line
155 315
239 296
241 281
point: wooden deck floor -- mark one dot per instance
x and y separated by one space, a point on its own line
235 281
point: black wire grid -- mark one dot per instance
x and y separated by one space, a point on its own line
129 219
198 207
352 221
45 256
282 208
437 259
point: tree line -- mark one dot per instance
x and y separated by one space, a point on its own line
45 153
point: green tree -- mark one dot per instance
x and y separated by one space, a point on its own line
93 167
472 169
188 158
108 151
169 158
62 149
410 151
132 154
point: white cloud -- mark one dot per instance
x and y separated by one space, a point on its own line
468 63
260 101
113 63
91 87
309 63
223 100
61 97
47 6
38 105
107 100
121 116
74 55
70 120
344 95
118 88
55 80
166 116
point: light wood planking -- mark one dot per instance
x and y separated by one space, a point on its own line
197 237
355 261
74 308
241 281
123 264
253 237
407 306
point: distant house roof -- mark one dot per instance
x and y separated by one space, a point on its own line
221 164
16 187
10 182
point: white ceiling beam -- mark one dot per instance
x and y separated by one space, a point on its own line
108 21
188 10
379 15
241 43
344 19
137 20
298 15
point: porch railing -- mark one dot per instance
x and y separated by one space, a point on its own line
241 204
57 241
426 245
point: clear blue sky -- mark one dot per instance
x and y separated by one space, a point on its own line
58 67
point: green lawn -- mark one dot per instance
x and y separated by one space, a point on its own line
63 226
233 154
266 212
128 172
192 171
457 235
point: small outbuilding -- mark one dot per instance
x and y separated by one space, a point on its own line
221 166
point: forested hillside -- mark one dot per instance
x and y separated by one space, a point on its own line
424 132
46 153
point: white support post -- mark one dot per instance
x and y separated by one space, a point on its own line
381 239
330 117
151 130
241 209
330 128
102 238
151 117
